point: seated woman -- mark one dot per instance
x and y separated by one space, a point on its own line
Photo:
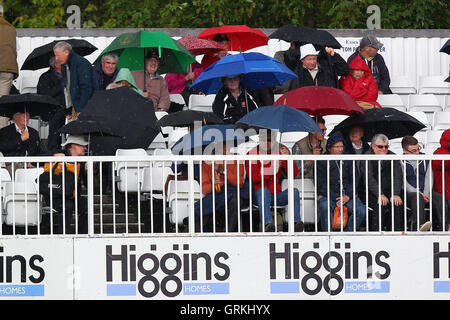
180 83
125 78
152 84
233 101
360 84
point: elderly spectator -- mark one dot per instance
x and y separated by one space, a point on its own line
9 69
105 71
355 143
19 140
313 143
340 191
233 101
209 58
51 82
180 83
318 68
442 171
368 51
75 176
265 177
360 84
290 58
418 189
380 194
152 84
78 77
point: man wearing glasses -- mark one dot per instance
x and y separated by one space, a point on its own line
384 189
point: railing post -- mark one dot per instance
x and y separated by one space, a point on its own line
191 195
290 195
90 190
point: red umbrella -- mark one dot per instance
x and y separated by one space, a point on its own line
320 101
242 38
198 46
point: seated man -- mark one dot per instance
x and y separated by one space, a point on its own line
105 71
380 194
75 146
263 183
19 140
313 143
418 191
152 84
338 197
233 177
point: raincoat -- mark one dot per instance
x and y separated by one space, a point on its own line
125 74
437 166
365 88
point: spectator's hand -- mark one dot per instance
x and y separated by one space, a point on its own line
146 94
397 200
25 135
330 51
380 92
59 155
425 197
383 200
339 203
317 151
190 76
29 165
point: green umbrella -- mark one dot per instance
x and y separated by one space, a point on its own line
133 47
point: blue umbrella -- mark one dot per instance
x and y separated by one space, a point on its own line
207 136
259 70
446 47
282 118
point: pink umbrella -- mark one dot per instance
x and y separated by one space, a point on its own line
197 46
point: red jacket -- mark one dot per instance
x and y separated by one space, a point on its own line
268 172
365 88
437 166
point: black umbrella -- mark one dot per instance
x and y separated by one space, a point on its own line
447 80
37 105
92 127
389 121
40 56
187 117
446 47
124 113
303 35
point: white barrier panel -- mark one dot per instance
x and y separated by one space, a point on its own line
36 269
296 268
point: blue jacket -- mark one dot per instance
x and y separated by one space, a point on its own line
98 76
82 82
335 187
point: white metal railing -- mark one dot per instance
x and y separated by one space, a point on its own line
141 201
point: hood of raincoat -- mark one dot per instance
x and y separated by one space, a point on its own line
125 74
359 64
445 138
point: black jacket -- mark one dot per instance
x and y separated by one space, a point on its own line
11 145
230 110
379 71
330 68
51 85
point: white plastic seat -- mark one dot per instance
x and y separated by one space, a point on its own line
162 152
177 134
290 138
307 202
402 85
334 119
154 180
421 136
130 173
424 102
441 120
434 139
276 96
160 114
201 102
178 98
434 85
395 144
422 117
391 101
28 175
22 205
178 199
28 84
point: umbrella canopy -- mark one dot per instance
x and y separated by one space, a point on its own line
208 136
38 105
127 114
447 80
282 118
320 101
133 47
197 46
40 56
79 127
187 117
259 70
389 121
242 38
446 47
303 35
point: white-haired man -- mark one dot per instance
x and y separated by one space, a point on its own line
106 71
